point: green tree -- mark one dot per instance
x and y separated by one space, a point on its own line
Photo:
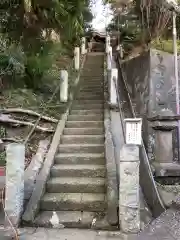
32 26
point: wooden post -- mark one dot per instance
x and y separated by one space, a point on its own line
64 86
14 198
76 58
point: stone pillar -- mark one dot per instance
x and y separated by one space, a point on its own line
164 124
110 52
64 86
113 81
14 197
76 58
109 58
121 53
108 63
83 45
108 43
129 203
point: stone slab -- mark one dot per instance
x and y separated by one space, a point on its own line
166 169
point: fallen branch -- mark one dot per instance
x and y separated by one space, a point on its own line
11 140
29 112
34 168
6 119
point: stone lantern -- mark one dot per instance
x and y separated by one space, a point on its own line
164 125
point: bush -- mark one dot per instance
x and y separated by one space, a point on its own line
39 63
165 45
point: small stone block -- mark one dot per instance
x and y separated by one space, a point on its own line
129 153
166 169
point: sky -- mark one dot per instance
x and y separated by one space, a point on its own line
102 15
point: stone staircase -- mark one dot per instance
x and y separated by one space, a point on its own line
76 190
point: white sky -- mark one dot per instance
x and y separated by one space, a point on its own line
102 15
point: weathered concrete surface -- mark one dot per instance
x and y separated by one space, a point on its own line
145 215
15 155
33 169
129 202
137 73
111 167
164 227
112 183
66 234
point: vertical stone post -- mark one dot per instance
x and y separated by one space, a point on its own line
129 206
113 84
64 86
121 53
109 58
164 148
83 45
14 197
76 58
110 52
108 43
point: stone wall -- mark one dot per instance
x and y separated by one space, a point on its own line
162 82
137 72
151 83
162 91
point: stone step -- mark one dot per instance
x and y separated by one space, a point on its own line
94 73
81 148
86 112
94 202
80 158
83 131
70 139
75 185
89 117
89 96
90 76
84 124
88 90
74 219
92 91
92 85
78 170
93 80
89 101
87 106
